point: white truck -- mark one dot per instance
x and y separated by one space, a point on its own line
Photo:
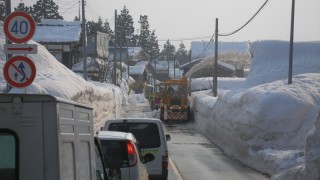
43 137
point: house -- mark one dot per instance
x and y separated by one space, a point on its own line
61 38
97 54
130 55
97 45
165 70
233 57
205 68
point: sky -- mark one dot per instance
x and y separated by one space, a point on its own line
186 21
260 120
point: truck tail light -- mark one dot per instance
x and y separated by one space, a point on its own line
132 154
165 161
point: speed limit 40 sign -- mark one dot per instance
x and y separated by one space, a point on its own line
19 27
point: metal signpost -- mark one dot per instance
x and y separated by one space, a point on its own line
19 71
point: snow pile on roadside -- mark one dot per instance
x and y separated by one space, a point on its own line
265 122
55 79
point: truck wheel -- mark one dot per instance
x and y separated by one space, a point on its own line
162 114
189 118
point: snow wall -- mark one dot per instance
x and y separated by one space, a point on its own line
265 122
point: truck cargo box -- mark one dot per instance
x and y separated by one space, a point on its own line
43 137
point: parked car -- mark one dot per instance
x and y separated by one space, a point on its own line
152 139
123 157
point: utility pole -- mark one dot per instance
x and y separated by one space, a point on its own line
44 9
115 49
291 44
128 37
84 42
215 75
174 69
8 11
79 10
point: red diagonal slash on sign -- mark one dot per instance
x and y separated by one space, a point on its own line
16 68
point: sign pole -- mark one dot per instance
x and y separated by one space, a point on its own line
8 56
19 27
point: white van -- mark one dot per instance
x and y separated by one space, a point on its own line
152 139
121 151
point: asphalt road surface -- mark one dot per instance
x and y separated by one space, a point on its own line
193 157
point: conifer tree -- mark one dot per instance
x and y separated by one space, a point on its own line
124 27
2 11
168 51
108 30
22 7
45 9
147 39
76 18
93 27
182 54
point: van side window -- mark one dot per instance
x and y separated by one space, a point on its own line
9 155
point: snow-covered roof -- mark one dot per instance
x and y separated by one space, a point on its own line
162 65
57 30
136 70
132 51
207 48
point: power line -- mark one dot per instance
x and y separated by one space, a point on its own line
237 30
229 34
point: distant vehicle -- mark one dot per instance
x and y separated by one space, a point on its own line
123 156
157 96
174 103
152 139
48 138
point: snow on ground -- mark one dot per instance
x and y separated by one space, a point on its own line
262 121
54 78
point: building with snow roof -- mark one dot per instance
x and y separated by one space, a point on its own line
63 40
233 58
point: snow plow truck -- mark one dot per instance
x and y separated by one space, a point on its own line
174 104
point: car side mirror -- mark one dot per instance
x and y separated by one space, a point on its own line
148 158
168 137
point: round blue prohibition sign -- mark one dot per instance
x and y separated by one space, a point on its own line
19 71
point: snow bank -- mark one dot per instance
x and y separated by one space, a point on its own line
271 60
265 122
55 79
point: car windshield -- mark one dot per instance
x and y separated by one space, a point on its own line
146 133
115 153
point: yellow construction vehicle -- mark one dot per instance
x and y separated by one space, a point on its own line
174 103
